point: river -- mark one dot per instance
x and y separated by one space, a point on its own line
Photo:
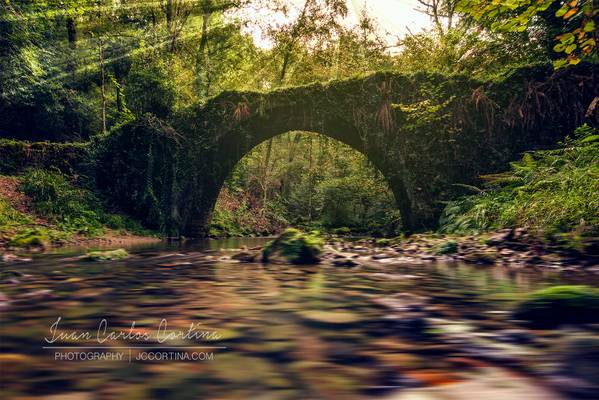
136 329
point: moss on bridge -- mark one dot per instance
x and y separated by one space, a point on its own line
425 132
16 156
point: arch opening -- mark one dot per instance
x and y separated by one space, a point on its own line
304 179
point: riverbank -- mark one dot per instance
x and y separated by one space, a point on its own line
515 248
42 210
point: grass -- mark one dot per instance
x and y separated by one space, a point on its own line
552 192
10 217
72 208
67 210
21 230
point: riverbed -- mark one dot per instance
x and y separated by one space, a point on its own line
186 321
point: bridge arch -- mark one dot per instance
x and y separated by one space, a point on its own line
251 129
243 151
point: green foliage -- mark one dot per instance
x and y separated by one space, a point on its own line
465 50
16 156
22 230
110 255
78 67
576 36
384 242
9 217
30 238
137 169
150 89
226 223
309 181
295 246
236 215
72 208
552 191
559 305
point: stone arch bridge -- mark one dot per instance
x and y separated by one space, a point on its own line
427 133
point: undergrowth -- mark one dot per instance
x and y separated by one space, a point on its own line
21 230
72 208
66 209
550 192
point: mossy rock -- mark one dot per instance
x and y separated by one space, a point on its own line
111 255
294 246
558 305
29 238
449 247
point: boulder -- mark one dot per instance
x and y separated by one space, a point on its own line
294 246
110 255
559 305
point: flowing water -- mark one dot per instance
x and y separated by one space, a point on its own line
265 331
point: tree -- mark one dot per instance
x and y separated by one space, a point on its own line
317 20
441 12
573 19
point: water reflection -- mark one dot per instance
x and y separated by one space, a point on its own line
286 332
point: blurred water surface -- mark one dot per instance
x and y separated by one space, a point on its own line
387 331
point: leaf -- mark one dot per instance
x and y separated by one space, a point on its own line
590 139
511 4
570 13
568 38
562 11
570 48
589 26
468 187
573 60
561 63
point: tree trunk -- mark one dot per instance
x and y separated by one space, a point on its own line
103 83
168 11
203 57
291 44
72 39
265 167
310 183
119 99
286 58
